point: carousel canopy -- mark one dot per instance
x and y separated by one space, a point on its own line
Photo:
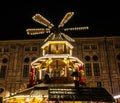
40 60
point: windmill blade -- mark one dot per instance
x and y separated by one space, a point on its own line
76 28
40 19
66 18
37 31
67 37
52 34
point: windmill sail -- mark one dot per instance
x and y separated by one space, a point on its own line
53 32
76 28
66 18
38 31
40 19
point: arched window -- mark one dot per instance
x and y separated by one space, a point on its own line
118 57
87 58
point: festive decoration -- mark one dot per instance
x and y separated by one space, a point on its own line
81 72
32 76
54 32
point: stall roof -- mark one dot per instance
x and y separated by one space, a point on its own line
68 93
80 94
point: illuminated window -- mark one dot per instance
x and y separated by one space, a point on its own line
57 48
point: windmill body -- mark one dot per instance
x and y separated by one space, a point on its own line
57 59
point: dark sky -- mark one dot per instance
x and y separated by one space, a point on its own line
102 17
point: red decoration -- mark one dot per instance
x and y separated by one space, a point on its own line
32 76
80 70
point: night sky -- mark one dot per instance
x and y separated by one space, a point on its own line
103 18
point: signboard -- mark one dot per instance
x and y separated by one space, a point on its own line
63 94
79 94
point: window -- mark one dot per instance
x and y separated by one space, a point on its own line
87 58
88 69
93 47
90 47
96 69
118 57
26 71
119 68
86 47
92 69
3 71
27 48
117 46
26 60
33 58
95 58
57 48
34 48
4 60
6 50
0 49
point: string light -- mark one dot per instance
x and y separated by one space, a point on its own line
40 19
53 34
65 19
77 28
37 31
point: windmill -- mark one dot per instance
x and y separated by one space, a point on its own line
51 29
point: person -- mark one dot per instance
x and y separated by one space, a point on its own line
46 78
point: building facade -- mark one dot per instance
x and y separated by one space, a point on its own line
100 55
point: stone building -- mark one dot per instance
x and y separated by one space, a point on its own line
100 55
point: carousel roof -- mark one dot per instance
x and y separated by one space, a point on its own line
57 41
56 56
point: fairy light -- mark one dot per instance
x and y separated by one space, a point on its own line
77 28
53 34
117 96
37 31
49 37
40 19
66 18
67 37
